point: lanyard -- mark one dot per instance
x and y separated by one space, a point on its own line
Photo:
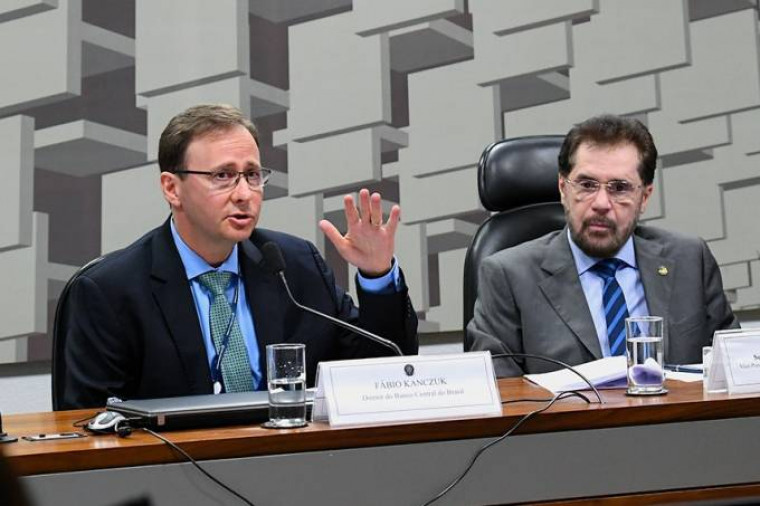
216 367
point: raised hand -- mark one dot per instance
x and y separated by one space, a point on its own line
368 243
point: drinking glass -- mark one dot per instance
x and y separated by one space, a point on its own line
644 348
286 379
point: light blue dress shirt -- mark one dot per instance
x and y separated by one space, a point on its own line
628 277
195 266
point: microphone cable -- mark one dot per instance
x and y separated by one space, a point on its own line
549 403
126 431
528 399
553 361
482 449
187 456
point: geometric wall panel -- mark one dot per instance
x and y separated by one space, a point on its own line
132 204
742 241
447 313
627 51
735 276
278 214
45 64
13 350
336 161
692 200
291 11
24 308
501 18
12 9
750 297
84 148
397 96
16 171
679 142
724 75
496 58
200 40
745 132
450 194
321 104
447 133
412 253
430 44
372 17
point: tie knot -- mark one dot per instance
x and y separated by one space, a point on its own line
607 268
215 281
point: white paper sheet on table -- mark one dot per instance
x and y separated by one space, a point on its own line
608 372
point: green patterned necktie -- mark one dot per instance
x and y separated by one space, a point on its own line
236 368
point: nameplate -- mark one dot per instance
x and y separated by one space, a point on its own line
406 389
735 365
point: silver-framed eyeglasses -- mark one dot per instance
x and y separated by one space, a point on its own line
618 190
227 179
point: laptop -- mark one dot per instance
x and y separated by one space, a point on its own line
196 411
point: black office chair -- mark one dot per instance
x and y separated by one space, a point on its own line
517 180
60 325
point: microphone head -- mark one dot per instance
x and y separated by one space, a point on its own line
273 260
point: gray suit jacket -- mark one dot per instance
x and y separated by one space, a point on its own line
530 300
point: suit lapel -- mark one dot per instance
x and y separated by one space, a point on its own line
266 298
564 292
657 274
172 293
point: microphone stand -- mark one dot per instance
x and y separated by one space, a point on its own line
353 328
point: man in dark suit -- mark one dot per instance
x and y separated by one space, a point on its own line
145 321
567 294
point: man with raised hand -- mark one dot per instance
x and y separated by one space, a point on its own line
150 320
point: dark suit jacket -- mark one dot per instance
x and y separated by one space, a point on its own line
530 300
134 331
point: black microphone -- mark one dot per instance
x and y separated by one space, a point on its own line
276 265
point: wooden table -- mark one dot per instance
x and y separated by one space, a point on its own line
682 446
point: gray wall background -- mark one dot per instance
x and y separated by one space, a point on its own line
397 95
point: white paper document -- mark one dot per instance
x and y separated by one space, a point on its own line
687 377
608 372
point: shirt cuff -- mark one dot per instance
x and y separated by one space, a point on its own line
386 284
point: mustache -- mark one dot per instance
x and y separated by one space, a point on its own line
600 220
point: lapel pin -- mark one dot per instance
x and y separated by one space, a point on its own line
662 270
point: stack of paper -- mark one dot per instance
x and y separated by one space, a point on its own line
607 372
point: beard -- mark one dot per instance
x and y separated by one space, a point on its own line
601 244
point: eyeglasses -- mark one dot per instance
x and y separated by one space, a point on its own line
618 190
227 179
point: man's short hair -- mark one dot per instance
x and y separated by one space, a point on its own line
610 131
195 122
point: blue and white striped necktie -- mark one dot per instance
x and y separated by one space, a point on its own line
615 308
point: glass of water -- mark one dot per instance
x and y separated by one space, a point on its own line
286 376
644 348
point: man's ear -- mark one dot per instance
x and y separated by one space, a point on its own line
561 184
648 189
171 189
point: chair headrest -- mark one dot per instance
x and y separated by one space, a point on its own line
517 172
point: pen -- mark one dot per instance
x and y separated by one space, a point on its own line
693 368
